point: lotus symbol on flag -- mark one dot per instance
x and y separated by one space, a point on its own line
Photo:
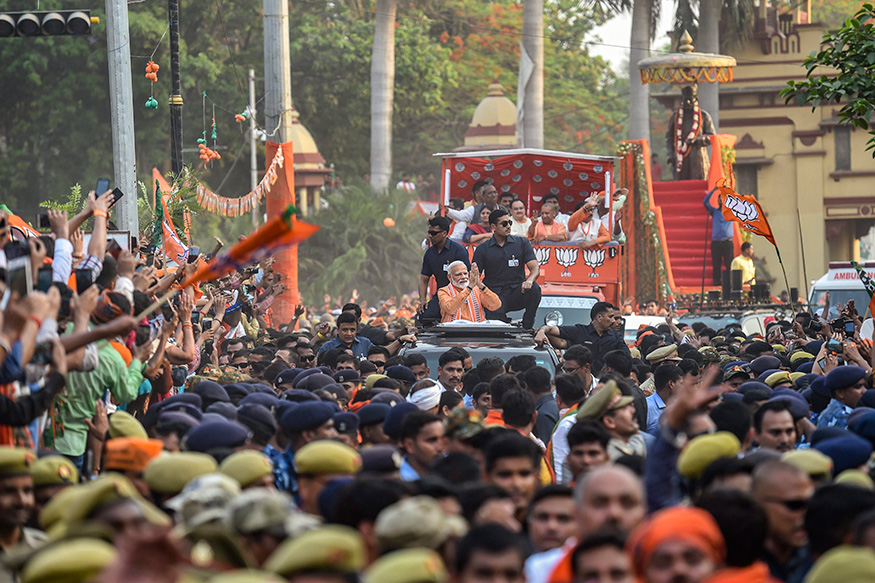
566 257
742 209
595 258
542 254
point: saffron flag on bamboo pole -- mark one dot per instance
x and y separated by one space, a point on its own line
174 248
868 284
280 232
746 210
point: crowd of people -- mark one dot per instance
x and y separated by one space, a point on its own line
211 442
588 226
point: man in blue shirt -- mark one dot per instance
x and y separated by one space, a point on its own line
346 337
504 259
436 262
846 384
665 377
347 324
722 245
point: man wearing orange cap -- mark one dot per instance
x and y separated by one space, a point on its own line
677 545
130 456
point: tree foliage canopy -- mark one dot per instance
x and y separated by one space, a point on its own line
842 73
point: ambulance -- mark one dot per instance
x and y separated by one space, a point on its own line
843 284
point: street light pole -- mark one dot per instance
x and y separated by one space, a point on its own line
253 159
175 99
124 159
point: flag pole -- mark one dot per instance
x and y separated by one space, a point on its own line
157 304
802 246
784 271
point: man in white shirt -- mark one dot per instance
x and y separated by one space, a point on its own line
521 222
560 216
472 213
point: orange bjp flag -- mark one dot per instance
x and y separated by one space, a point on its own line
279 232
174 248
746 210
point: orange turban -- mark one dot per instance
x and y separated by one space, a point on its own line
130 453
680 523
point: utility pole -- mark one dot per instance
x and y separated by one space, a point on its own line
253 159
531 83
175 99
124 160
277 71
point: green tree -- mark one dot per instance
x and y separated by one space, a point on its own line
355 250
847 57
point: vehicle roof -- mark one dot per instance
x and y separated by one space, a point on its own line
504 341
519 151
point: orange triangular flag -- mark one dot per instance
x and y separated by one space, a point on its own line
746 210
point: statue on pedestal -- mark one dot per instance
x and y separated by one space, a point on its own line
687 138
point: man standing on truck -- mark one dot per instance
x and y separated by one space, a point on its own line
744 262
504 260
466 298
721 237
436 262
471 214
598 335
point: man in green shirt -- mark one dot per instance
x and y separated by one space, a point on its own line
84 389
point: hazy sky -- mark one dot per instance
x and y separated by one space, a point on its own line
617 30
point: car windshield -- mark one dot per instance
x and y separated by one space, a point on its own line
714 321
839 296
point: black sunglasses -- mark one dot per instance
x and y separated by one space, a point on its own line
309 358
378 363
505 223
792 505
434 233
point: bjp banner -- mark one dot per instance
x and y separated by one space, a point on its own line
746 210
174 248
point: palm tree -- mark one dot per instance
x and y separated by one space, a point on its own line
721 23
382 94
644 14
531 76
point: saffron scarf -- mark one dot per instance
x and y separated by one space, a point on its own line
473 305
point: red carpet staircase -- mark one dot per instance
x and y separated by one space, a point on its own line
685 220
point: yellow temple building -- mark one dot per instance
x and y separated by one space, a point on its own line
493 125
803 166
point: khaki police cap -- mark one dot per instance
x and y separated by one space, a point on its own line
799 354
810 461
408 566
54 511
246 466
703 450
608 398
123 424
329 549
849 564
258 509
171 471
777 378
662 353
855 478
74 561
327 457
371 380
246 576
15 461
106 489
53 470
416 522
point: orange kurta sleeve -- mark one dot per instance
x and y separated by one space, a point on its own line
576 218
604 236
490 299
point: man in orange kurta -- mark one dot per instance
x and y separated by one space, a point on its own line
466 298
